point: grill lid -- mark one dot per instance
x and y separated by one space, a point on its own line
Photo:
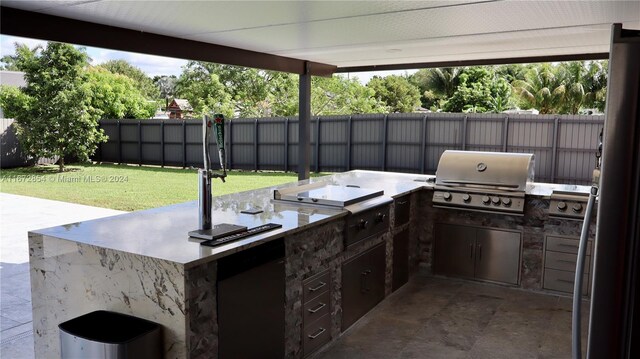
495 170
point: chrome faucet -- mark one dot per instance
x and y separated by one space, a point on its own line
205 174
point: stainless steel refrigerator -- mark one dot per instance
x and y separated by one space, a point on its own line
614 322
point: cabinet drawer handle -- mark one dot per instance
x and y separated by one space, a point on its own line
319 333
320 286
566 261
565 280
402 202
314 310
567 245
364 287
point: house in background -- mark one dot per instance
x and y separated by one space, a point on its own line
179 109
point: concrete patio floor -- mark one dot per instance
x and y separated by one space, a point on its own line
18 215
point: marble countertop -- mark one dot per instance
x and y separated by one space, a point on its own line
162 232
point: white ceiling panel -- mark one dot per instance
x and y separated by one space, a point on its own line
361 33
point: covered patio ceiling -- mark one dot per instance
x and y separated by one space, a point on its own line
342 36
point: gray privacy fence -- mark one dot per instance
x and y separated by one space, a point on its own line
564 145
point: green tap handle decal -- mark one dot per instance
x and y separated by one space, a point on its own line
218 131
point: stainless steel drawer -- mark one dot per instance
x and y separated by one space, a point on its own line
566 245
563 281
316 308
402 210
314 286
316 334
564 261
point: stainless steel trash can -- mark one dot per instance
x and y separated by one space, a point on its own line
109 335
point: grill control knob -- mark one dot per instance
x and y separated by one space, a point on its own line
495 200
562 206
506 202
447 196
466 197
577 207
380 217
486 199
363 224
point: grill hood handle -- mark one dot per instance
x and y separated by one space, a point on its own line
492 184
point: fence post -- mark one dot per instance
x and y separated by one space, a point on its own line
255 145
423 145
119 143
162 142
286 144
230 147
317 139
349 129
554 150
464 132
139 143
385 126
505 133
184 143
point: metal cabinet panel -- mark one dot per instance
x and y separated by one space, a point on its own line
565 244
367 224
402 210
564 261
400 259
315 335
497 255
316 308
251 298
316 285
563 281
454 250
362 284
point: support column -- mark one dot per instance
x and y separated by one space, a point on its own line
304 125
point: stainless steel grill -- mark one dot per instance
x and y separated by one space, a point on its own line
483 181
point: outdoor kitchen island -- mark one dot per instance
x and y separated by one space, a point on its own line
144 264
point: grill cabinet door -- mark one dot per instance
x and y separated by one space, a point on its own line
454 250
497 255
362 284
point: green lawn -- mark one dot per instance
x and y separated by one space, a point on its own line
126 188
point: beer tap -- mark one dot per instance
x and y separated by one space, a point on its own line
205 174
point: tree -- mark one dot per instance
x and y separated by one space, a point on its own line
541 89
142 82
436 85
204 90
166 86
479 90
52 112
338 95
116 96
396 92
595 84
10 62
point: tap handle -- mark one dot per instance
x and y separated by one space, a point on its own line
218 129
207 124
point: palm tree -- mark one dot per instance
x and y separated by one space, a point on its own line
541 89
595 84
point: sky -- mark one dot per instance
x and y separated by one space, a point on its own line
151 65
